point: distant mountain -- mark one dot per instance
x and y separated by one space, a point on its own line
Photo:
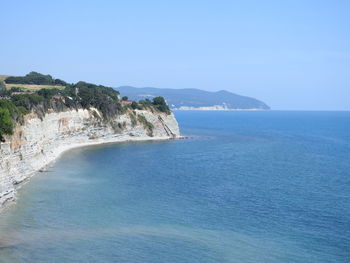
195 99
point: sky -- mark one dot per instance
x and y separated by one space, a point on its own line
293 55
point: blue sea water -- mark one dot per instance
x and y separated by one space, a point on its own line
245 187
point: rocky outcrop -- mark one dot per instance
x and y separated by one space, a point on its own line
38 142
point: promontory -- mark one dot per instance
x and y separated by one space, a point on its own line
41 117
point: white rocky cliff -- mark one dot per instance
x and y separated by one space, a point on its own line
39 141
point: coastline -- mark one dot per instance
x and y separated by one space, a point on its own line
214 108
59 151
39 142
62 149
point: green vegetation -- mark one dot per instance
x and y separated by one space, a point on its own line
133 119
134 105
35 78
145 103
16 112
20 100
6 125
88 95
2 88
17 101
160 104
146 124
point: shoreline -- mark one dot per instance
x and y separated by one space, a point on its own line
59 151
66 148
39 142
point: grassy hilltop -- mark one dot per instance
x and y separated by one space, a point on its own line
33 81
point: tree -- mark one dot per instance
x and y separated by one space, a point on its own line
2 88
31 78
6 125
134 105
48 93
124 98
160 104
159 101
60 82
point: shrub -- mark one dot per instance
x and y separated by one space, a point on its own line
35 78
31 78
60 82
160 104
2 88
134 105
146 124
6 125
145 102
133 119
48 93
16 113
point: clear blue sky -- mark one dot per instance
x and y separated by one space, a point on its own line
290 54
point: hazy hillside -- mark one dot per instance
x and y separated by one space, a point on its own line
195 98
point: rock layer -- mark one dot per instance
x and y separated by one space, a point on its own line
38 142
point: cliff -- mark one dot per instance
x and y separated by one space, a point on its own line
39 141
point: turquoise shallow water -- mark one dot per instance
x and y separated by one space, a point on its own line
247 187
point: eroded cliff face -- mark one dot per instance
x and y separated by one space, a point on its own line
39 141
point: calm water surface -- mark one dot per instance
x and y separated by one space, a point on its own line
247 187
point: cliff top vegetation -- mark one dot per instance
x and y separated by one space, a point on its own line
40 93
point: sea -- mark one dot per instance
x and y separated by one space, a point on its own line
245 186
